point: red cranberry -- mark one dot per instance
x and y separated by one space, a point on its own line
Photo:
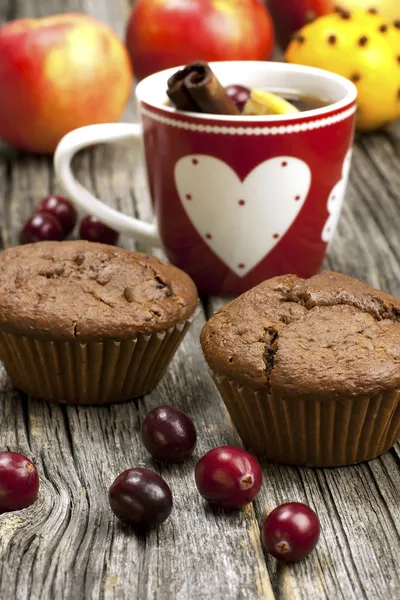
168 434
140 497
228 477
19 481
41 227
291 531
93 230
61 209
239 94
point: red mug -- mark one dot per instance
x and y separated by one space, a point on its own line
237 199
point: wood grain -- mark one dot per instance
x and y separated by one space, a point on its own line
68 545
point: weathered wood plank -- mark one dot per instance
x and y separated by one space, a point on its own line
366 243
357 555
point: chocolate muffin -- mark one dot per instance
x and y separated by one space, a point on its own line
309 369
86 323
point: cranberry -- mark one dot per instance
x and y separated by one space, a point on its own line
239 94
140 497
41 227
291 531
93 230
19 481
61 209
168 434
228 477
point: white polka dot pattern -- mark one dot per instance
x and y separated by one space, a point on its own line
224 130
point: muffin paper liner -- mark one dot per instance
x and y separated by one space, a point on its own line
102 372
325 433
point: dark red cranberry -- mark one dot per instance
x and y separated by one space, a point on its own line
168 434
140 497
61 209
291 531
19 481
228 477
41 227
239 94
93 230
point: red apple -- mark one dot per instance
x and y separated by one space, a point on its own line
56 74
167 33
291 15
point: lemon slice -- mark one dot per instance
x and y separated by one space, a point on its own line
266 103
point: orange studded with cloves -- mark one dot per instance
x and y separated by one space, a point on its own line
363 47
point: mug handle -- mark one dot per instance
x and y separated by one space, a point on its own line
80 138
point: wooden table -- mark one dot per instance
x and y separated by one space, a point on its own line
69 546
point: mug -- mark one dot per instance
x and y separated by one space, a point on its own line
237 199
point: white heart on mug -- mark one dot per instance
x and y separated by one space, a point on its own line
242 221
335 201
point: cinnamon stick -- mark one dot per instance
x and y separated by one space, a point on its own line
196 88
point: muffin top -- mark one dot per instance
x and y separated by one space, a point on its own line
329 335
86 291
